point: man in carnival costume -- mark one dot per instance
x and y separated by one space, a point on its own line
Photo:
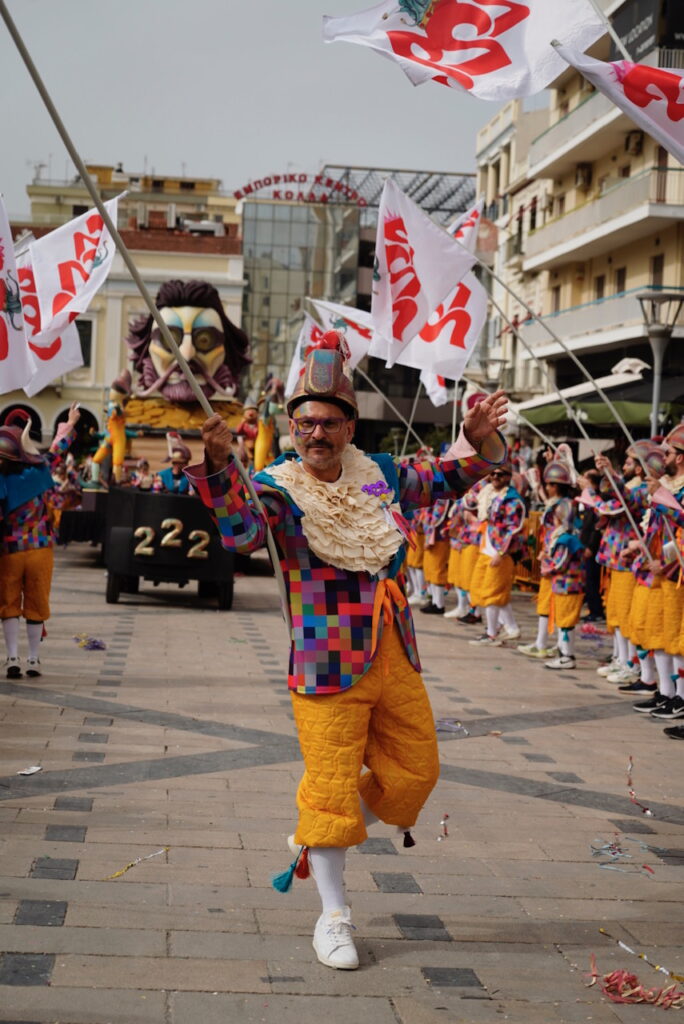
173 478
26 537
354 673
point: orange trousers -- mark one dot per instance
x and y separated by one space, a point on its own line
25 580
384 722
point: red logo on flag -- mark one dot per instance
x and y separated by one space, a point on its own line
399 259
643 85
438 39
456 314
85 252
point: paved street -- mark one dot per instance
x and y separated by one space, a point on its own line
179 738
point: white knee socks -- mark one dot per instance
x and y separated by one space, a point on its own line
463 602
647 672
622 649
664 667
566 642
10 629
437 594
542 641
507 617
327 865
678 674
34 631
492 617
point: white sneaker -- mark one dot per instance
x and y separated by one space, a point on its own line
13 668
532 651
607 670
486 641
623 675
417 599
510 634
562 661
454 613
33 667
333 940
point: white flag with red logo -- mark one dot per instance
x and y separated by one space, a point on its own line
435 387
448 337
417 265
465 228
355 324
54 351
494 49
71 263
308 339
652 97
15 362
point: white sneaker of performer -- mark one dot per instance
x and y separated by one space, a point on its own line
333 940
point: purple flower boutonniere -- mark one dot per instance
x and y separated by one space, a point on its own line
385 495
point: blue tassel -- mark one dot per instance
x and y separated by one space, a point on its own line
283 882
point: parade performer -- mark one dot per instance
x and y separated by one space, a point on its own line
173 478
456 528
415 556
501 514
470 554
354 674
266 445
557 481
667 501
26 537
564 566
436 556
114 441
247 430
617 533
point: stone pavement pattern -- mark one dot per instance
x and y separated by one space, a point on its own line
180 736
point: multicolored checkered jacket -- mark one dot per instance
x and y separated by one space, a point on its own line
616 528
564 563
505 519
437 522
331 609
24 514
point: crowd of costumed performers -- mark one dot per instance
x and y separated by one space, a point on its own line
609 539
338 517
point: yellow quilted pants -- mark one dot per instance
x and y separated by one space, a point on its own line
544 596
384 722
435 562
619 601
492 584
469 557
453 568
414 556
673 615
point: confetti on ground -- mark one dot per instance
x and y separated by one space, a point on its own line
642 956
630 788
616 853
589 630
450 725
623 987
118 874
90 643
30 771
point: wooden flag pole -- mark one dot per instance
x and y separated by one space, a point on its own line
391 405
140 284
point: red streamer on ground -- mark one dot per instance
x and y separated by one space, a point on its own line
622 986
630 789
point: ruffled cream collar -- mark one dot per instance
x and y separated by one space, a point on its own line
344 525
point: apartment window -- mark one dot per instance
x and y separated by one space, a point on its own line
556 298
621 280
560 205
85 335
533 214
600 287
564 108
157 185
187 186
624 171
657 270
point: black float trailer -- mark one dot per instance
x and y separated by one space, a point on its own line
164 538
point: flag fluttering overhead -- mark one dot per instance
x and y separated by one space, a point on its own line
355 324
71 263
435 387
652 97
417 266
55 350
448 337
15 362
495 49
466 227
309 336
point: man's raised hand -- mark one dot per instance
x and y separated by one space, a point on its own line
485 418
218 442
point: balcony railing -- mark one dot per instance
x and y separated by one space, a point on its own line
565 131
658 187
615 311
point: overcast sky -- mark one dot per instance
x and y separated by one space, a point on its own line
230 89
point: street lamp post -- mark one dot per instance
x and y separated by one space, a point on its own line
660 310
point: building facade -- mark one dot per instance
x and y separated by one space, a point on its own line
590 212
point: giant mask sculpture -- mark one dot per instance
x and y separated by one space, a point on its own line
216 350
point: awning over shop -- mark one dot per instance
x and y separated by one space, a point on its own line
630 394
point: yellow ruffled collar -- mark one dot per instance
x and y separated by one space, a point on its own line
344 525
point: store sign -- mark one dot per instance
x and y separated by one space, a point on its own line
302 188
638 25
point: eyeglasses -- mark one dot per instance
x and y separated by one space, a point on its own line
307 424
500 476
